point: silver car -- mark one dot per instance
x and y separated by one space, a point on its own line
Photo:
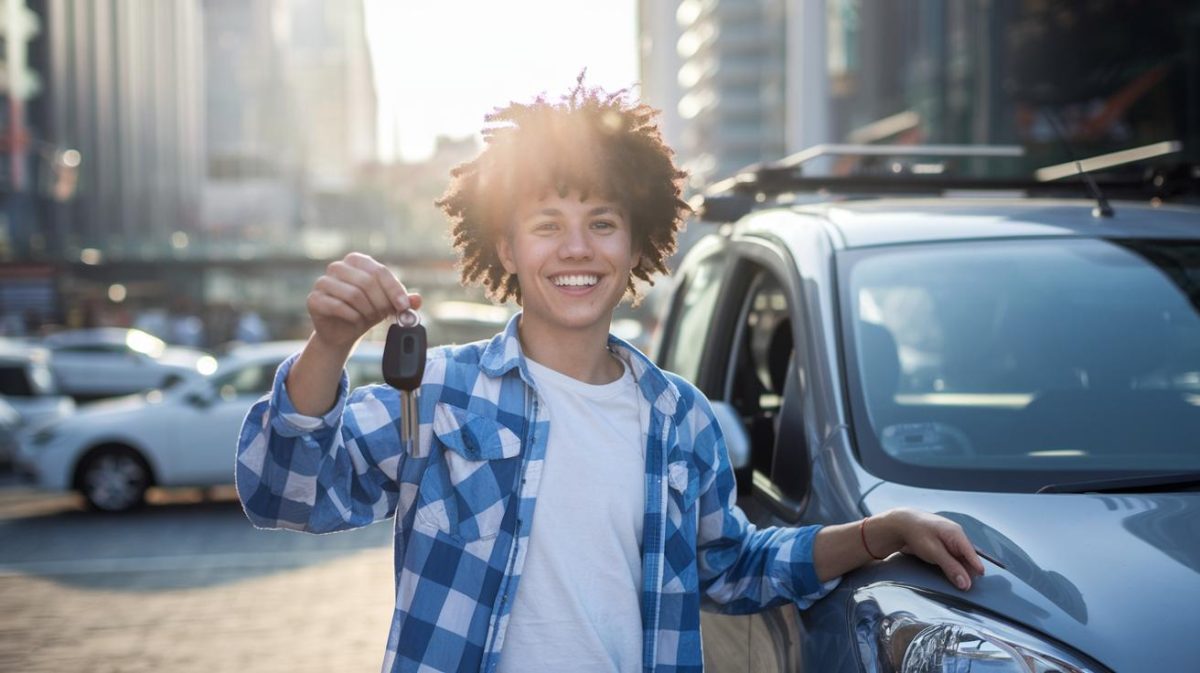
1019 364
28 390
108 361
184 435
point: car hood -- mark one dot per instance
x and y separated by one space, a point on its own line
1115 576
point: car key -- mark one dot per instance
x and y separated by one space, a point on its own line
403 366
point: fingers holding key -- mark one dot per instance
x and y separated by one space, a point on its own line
352 296
387 293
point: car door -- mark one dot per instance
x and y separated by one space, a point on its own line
207 441
100 369
751 364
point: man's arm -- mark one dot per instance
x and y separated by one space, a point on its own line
744 568
302 463
844 547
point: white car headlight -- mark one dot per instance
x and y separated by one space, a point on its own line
900 630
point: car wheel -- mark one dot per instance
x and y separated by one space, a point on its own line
114 479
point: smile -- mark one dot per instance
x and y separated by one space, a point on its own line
576 280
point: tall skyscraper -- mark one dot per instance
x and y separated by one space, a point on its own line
123 84
730 82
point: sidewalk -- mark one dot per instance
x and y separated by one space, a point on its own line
327 617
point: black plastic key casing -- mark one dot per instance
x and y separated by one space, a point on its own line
404 356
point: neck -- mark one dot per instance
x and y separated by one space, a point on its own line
581 354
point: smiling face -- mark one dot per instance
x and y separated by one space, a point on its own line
573 259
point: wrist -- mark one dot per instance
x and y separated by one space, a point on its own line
329 350
883 533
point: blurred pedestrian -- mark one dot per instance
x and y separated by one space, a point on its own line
569 505
251 328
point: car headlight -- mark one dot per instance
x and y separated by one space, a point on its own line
900 630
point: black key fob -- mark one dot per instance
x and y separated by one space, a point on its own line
404 356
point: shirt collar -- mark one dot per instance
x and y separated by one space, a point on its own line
503 354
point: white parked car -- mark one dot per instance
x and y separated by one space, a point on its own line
27 384
27 390
185 435
109 361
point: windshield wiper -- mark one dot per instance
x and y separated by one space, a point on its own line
1154 483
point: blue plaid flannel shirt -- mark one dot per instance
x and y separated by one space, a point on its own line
463 509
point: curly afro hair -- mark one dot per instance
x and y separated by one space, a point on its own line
590 141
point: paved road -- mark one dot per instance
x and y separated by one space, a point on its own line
188 585
184 585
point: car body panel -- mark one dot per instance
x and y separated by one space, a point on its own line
1082 566
101 362
187 433
1113 579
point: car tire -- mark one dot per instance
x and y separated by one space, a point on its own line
113 479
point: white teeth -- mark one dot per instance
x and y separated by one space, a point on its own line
578 280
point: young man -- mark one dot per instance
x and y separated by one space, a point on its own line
571 506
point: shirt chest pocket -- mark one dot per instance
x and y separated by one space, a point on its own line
474 464
683 488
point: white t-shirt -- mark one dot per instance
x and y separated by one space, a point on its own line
578 604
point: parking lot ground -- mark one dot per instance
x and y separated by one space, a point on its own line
184 585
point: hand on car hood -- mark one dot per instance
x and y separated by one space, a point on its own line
1099 572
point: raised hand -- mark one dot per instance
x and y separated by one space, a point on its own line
355 294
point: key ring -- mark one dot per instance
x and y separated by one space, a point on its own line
412 317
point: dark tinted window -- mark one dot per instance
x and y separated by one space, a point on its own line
14 381
693 314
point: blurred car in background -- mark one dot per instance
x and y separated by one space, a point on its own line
28 392
10 422
460 322
184 435
108 361
27 383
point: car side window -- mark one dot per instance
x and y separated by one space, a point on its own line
15 381
759 357
101 349
695 305
254 380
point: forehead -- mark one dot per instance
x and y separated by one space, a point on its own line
573 203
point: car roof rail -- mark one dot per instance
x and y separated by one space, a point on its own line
753 186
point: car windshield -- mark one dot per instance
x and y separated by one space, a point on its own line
1013 364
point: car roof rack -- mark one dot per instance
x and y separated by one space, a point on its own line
896 170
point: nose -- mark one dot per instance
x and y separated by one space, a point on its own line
576 243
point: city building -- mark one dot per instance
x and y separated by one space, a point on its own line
760 79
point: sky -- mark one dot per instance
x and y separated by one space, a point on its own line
441 65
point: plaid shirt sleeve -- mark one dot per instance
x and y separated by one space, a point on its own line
744 569
320 474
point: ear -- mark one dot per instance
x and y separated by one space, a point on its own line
504 252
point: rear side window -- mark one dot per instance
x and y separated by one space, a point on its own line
14 382
693 311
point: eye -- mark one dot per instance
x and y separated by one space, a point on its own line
548 225
604 224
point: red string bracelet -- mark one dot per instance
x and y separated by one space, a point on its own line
862 530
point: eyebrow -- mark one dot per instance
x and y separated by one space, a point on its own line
598 210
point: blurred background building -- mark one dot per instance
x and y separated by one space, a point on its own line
759 79
222 153
203 160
